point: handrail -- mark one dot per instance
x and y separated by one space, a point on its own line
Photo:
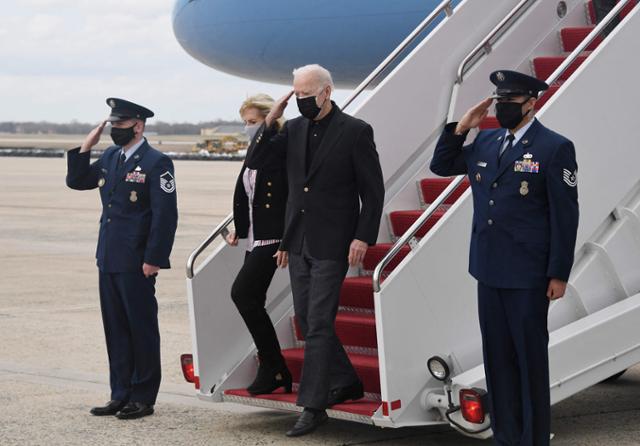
595 32
486 45
444 6
221 229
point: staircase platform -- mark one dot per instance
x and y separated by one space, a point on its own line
359 411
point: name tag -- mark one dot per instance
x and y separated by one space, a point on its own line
136 177
481 164
527 166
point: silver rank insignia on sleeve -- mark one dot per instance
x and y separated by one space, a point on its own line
167 182
571 178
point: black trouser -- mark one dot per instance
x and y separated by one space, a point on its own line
602 8
316 293
249 293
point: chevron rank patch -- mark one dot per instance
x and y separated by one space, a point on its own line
571 178
167 182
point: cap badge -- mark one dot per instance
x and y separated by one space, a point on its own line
112 103
500 76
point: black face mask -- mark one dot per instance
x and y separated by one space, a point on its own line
308 107
122 137
510 114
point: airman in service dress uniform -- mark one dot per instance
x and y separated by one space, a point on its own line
137 229
524 184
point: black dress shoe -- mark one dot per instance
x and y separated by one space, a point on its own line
308 421
269 379
111 408
353 392
135 410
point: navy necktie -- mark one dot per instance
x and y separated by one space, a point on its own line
121 160
509 145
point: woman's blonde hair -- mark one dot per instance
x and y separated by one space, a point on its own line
263 103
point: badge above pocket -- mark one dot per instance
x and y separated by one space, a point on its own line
136 176
527 164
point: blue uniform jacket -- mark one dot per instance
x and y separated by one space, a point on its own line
525 207
139 207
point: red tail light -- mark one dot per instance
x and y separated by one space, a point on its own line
471 406
188 371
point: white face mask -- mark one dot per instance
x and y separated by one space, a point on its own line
251 130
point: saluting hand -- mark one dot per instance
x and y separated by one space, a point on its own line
92 138
278 109
357 251
282 258
474 116
556 289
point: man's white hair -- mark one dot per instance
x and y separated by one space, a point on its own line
320 74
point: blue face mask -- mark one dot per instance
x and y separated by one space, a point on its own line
251 130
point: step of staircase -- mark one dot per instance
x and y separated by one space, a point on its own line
353 329
431 188
545 66
360 411
402 220
366 366
377 252
572 37
591 12
357 292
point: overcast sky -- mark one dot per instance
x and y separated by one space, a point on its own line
62 58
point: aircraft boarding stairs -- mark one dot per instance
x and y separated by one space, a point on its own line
404 307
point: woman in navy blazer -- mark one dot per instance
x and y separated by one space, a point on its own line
259 203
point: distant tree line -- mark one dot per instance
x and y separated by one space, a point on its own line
80 128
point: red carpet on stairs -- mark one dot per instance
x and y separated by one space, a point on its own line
572 37
401 221
363 407
365 365
431 189
377 252
353 329
357 292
